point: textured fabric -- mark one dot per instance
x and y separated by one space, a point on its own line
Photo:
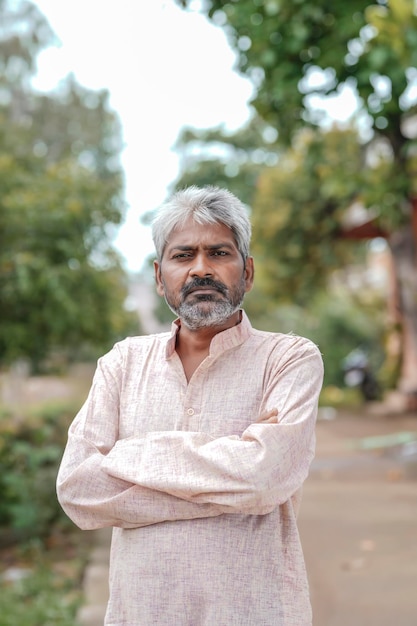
203 499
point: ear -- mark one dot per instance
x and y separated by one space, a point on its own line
249 273
158 279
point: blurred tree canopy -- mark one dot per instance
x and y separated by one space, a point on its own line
224 159
298 54
298 212
61 283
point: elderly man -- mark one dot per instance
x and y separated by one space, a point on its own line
194 444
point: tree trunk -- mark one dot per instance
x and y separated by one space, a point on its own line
403 244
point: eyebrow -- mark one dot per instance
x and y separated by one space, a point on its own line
216 246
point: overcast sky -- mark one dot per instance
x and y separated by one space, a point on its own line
164 68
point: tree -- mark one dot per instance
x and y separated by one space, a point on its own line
61 282
297 52
232 160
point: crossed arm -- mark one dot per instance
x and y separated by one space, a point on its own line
174 475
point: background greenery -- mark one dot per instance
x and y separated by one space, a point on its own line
62 300
38 543
62 287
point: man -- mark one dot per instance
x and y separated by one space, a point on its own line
194 444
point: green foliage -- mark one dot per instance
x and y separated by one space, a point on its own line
20 45
62 286
280 44
298 212
295 50
53 294
341 398
230 160
43 554
30 453
39 599
335 320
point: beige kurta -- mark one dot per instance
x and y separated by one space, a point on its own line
203 499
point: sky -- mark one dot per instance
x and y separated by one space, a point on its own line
164 68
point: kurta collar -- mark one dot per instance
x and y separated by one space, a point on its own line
221 342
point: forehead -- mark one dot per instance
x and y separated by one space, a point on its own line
197 235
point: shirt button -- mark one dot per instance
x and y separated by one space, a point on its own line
190 411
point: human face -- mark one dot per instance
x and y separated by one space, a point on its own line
203 276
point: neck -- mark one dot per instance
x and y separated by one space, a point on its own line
193 346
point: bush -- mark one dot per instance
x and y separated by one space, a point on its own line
40 597
30 453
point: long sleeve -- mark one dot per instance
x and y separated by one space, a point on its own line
87 493
259 470
93 499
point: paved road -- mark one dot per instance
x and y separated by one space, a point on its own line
358 522
358 525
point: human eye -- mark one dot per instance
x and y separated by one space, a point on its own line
181 255
219 253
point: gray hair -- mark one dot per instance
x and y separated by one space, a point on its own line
205 205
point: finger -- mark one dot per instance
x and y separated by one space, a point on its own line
269 416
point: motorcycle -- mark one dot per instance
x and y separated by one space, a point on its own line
357 373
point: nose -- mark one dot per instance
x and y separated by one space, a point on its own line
201 266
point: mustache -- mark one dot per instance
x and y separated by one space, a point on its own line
197 282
